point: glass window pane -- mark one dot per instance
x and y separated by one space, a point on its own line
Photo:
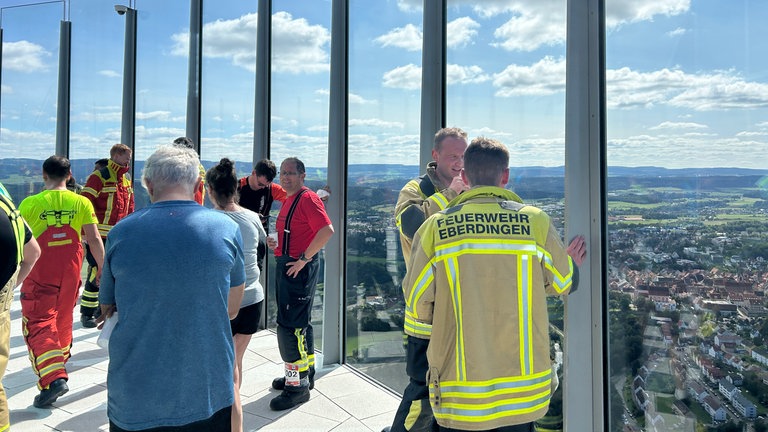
506 80
301 43
161 80
97 83
687 145
229 82
384 114
30 68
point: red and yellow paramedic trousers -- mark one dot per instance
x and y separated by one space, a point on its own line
46 324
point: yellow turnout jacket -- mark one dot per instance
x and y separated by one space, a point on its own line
476 287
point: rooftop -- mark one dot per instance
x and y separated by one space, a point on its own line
343 400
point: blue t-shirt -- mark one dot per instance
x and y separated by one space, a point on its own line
169 268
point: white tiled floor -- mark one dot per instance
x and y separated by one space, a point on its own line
341 401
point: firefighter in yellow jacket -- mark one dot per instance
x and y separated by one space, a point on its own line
476 288
422 197
419 199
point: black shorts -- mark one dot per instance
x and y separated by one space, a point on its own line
247 320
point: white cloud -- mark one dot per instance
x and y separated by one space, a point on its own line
26 143
545 77
24 56
351 97
297 46
678 125
408 77
109 73
720 90
384 148
410 5
619 12
461 31
6 89
90 117
405 77
155 115
408 38
359 100
533 24
376 123
456 74
677 32
751 134
685 151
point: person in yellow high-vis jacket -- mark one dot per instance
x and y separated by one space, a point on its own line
419 199
476 292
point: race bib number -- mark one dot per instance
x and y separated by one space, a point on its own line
292 375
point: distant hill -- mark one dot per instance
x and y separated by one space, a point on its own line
83 167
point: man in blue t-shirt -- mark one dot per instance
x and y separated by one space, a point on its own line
175 273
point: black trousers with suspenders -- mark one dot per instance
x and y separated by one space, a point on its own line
295 295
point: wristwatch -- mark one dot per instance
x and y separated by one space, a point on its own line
304 258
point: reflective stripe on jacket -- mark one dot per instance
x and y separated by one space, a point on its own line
111 193
419 199
476 287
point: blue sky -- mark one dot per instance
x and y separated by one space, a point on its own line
687 81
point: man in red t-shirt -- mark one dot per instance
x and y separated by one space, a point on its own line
303 228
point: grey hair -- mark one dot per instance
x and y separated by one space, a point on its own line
173 166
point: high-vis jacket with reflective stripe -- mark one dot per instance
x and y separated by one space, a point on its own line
419 199
111 193
476 287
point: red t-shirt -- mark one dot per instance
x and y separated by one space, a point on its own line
308 218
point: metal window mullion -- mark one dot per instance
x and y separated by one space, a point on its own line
261 118
433 69
62 103
338 138
128 122
585 401
194 77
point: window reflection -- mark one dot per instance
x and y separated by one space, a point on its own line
506 80
384 113
229 82
96 89
161 79
686 208
29 92
299 110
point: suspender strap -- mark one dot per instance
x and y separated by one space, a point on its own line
288 218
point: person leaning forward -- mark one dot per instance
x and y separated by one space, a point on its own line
493 259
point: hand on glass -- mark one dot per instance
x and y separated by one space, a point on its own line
577 249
